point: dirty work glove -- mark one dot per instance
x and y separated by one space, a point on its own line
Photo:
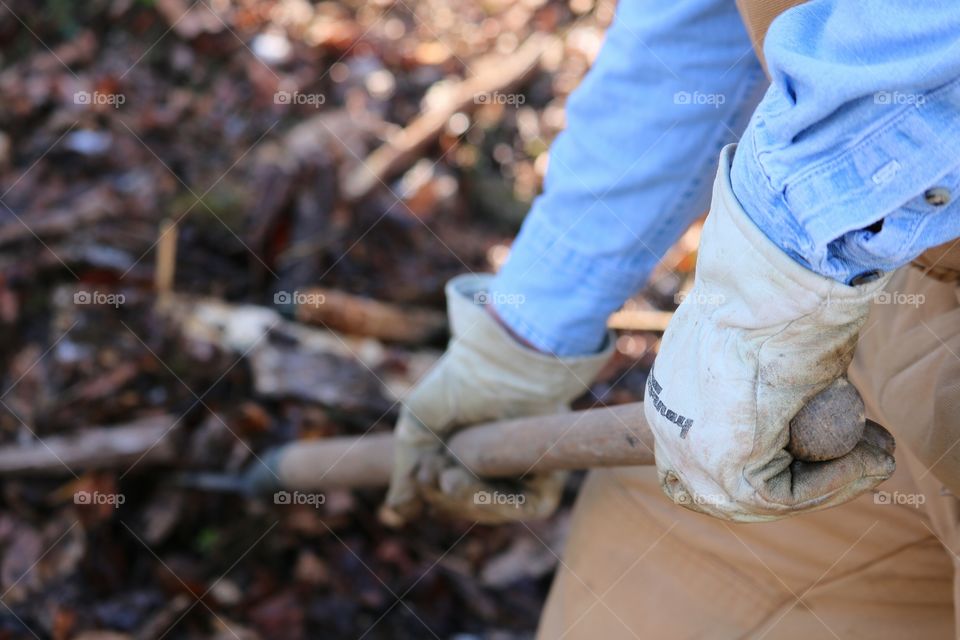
755 339
485 375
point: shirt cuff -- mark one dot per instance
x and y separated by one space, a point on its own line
868 207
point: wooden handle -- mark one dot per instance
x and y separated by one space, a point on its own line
828 427
605 437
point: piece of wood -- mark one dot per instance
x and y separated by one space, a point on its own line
166 263
497 74
357 315
640 320
606 437
148 440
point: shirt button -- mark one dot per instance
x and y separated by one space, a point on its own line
937 196
864 278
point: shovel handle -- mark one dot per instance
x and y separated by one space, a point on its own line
829 426
603 437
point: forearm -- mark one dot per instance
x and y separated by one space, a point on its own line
670 87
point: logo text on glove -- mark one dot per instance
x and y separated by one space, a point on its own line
654 389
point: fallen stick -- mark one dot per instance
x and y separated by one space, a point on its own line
640 320
499 74
147 440
357 315
166 262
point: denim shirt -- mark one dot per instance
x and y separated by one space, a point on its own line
849 162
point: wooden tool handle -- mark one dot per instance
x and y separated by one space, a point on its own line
605 437
828 427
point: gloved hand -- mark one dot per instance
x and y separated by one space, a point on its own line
485 375
756 338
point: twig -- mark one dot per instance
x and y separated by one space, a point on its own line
147 440
499 74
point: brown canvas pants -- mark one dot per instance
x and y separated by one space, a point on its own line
881 566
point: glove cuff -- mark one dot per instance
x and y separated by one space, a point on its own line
478 333
735 255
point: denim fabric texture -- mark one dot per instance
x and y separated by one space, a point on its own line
849 162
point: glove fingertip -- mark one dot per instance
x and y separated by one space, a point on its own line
402 501
879 437
457 480
882 466
391 517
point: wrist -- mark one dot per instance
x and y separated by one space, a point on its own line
492 312
557 294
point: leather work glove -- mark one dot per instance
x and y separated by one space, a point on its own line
756 338
485 375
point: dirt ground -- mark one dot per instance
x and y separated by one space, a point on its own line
163 162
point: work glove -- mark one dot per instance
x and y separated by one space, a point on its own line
755 339
485 375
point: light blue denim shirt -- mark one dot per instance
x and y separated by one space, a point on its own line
861 123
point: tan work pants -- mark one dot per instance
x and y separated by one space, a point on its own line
882 566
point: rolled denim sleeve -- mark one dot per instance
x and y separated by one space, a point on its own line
673 83
850 161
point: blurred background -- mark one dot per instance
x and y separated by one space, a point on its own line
226 225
